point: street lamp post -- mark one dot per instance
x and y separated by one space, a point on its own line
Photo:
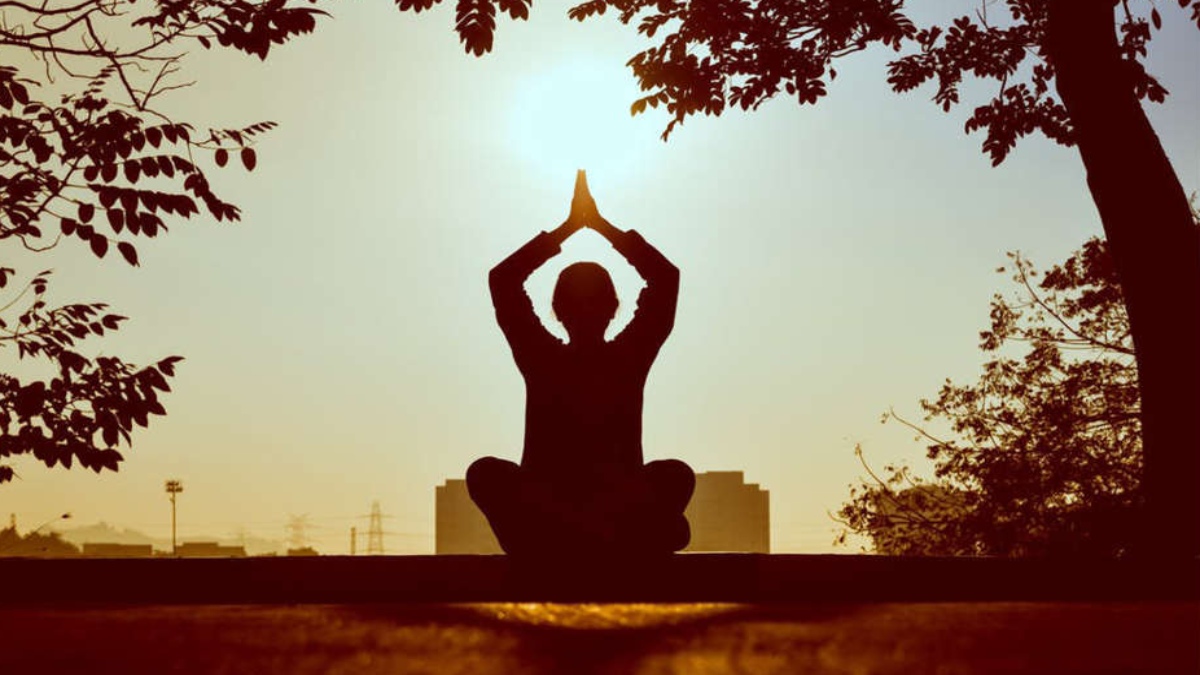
174 487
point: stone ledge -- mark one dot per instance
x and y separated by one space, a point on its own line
751 578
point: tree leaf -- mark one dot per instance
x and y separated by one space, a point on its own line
19 92
108 431
116 219
167 365
221 156
249 159
128 252
86 211
99 245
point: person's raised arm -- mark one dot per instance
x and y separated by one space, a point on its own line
512 272
655 314
654 267
514 311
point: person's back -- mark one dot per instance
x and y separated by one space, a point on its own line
582 467
583 409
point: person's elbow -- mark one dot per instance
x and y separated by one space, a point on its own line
670 270
498 278
668 275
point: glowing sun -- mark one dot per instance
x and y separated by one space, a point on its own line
575 115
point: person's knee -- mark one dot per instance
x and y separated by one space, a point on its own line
674 469
672 476
678 534
489 476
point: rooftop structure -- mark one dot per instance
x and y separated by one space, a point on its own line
111 550
209 549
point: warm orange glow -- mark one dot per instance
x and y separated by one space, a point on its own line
604 616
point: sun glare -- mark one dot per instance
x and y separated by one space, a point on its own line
575 115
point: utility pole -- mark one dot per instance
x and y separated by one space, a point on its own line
174 487
353 540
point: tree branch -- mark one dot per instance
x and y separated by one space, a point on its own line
1053 312
43 10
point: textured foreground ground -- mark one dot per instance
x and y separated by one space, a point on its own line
934 638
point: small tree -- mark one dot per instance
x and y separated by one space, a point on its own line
1046 451
35 544
85 156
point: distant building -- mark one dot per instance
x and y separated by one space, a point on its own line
209 549
110 550
302 552
461 527
725 514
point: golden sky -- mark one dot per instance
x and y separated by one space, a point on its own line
341 348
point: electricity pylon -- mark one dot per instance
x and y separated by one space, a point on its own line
375 531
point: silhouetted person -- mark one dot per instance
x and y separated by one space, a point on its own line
582 487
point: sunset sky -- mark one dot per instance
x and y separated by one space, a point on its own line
340 345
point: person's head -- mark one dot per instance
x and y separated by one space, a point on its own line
585 300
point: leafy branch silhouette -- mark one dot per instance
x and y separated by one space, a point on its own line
85 156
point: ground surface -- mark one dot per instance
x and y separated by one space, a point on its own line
700 638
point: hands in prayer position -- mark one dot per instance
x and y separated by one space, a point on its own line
584 214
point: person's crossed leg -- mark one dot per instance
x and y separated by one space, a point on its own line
638 512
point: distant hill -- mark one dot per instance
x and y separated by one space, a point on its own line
104 533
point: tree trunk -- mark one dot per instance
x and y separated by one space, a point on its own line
1156 248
